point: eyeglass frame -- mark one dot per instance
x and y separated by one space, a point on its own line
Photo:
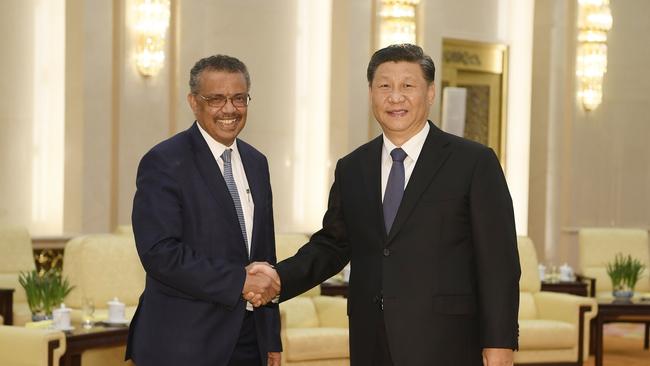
208 100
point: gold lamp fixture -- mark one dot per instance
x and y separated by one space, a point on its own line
397 22
151 23
594 21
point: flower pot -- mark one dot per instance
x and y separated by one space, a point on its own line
623 295
41 316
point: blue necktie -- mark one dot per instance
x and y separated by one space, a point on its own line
232 187
394 187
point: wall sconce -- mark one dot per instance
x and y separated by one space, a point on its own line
594 21
397 22
151 23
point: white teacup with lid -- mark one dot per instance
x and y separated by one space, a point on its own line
61 318
116 311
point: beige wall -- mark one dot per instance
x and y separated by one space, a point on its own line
596 164
494 21
16 111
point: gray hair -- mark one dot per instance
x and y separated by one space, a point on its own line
217 63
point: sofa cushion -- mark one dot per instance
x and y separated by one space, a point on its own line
101 267
527 307
316 344
546 334
301 312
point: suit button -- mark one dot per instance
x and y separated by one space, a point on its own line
386 252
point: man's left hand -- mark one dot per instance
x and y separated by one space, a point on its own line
498 357
274 358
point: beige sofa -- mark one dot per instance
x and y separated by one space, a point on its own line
550 324
30 347
17 256
101 267
314 327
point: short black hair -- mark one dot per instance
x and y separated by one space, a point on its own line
217 63
402 52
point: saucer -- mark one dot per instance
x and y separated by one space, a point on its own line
116 322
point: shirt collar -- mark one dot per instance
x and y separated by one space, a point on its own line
413 146
215 146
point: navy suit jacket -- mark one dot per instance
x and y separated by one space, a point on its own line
448 271
192 249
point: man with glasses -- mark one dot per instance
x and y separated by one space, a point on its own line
202 213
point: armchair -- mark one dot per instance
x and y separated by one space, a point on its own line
30 347
101 267
553 327
314 327
17 256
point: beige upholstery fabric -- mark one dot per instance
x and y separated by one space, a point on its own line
314 328
16 256
599 246
538 334
548 322
101 267
316 344
29 347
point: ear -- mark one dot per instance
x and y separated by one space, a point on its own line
431 93
191 100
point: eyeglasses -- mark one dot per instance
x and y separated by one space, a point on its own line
218 101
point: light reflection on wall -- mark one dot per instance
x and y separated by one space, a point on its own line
49 112
311 127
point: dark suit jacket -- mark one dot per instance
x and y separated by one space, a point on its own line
448 269
193 252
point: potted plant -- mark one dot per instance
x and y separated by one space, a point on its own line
624 273
45 291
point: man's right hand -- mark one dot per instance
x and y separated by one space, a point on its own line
262 283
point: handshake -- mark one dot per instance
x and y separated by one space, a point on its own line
262 284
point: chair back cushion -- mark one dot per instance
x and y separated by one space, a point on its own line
301 312
599 246
286 245
16 256
529 282
103 266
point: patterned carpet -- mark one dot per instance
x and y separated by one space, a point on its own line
623 346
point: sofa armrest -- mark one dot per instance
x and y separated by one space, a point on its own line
577 310
563 307
30 347
332 311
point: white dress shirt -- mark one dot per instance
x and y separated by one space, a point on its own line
239 175
412 148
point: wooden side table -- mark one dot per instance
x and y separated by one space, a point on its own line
331 289
572 287
616 311
80 340
7 305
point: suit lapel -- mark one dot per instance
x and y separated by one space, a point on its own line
433 155
254 179
371 170
211 174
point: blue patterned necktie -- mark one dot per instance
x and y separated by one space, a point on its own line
232 188
394 187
